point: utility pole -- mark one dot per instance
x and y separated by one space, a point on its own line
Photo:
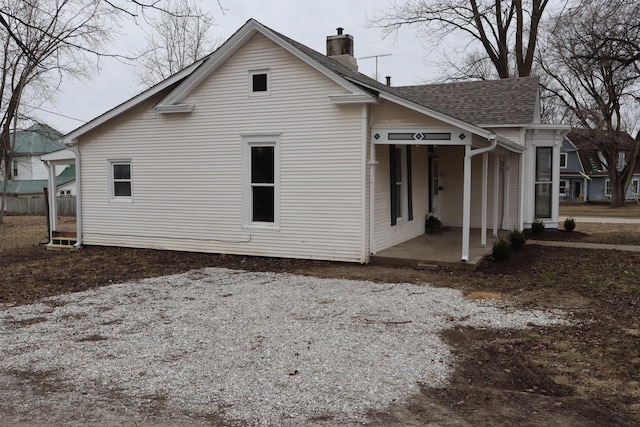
376 57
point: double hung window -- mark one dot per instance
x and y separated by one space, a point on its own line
120 187
262 187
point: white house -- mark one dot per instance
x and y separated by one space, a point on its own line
269 148
28 174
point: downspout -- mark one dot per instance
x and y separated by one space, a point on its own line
466 202
73 146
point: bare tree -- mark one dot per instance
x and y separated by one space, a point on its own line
180 37
43 41
591 60
505 30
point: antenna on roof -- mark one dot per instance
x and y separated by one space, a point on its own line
376 56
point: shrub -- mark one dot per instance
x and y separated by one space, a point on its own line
537 227
502 250
517 239
569 224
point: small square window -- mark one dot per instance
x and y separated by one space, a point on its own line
259 84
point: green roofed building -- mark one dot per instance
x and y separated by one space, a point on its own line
28 174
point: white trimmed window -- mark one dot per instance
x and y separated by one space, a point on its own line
261 181
563 186
635 187
259 82
120 182
543 181
563 160
607 188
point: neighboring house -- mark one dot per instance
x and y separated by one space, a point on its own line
29 145
269 148
34 187
585 173
29 174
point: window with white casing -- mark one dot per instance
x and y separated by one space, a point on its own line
543 182
607 188
563 160
563 187
261 181
259 82
635 187
401 192
120 178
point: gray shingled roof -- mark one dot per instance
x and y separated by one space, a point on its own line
489 102
505 101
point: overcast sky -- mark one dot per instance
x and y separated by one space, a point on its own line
306 21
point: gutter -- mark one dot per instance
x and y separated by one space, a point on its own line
466 200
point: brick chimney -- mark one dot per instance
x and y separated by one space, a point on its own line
340 47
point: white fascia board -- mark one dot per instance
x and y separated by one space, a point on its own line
438 115
547 126
353 99
232 45
174 108
510 145
59 157
503 125
127 105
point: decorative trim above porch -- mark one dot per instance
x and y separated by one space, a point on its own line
421 136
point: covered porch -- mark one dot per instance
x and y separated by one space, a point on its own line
435 250
62 236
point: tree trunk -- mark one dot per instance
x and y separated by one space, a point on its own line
618 193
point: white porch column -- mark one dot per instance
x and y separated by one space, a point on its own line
372 199
466 203
483 226
76 151
53 208
506 170
496 190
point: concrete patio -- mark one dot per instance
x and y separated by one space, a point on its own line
436 250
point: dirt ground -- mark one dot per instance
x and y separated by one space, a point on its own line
585 374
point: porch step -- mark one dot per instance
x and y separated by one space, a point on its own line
63 243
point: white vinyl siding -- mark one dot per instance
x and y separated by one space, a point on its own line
386 234
188 167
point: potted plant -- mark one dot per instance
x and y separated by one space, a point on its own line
432 224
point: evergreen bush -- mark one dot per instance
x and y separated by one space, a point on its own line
502 250
537 227
569 224
517 239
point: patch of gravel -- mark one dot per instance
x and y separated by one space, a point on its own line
233 347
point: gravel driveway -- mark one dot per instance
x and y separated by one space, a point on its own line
218 346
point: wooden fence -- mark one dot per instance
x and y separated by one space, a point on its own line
37 205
